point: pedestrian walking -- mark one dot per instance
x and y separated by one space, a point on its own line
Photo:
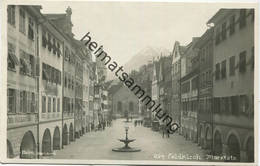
104 125
165 131
162 130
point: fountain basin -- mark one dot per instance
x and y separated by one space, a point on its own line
126 149
126 141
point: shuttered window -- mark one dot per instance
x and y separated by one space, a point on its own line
22 21
31 29
11 101
242 62
11 14
43 104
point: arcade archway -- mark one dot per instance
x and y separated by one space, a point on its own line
71 133
217 143
46 143
250 149
208 138
28 146
65 135
234 147
56 139
10 152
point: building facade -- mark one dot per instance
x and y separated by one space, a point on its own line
205 107
177 52
22 85
189 91
233 83
44 82
165 85
124 102
155 86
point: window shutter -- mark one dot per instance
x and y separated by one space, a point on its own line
29 100
17 100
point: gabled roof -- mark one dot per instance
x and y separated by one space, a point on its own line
179 47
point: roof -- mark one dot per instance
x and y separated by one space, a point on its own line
191 45
204 38
114 88
56 19
55 16
181 48
219 15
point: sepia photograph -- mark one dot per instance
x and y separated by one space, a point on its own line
119 82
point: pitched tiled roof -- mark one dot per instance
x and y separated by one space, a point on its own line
55 16
114 88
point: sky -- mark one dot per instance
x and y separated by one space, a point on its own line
125 28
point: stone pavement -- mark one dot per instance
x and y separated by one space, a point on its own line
98 145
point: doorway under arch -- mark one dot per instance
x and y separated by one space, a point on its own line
28 146
208 138
217 143
250 149
201 139
46 143
10 152
71 133
65 135
234 147
56 139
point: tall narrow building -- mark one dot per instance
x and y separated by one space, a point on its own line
205 107
233 83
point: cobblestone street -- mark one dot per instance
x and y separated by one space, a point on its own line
98 145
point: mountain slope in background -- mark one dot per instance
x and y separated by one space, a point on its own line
141 58
144 56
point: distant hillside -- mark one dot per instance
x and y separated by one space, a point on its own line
141 58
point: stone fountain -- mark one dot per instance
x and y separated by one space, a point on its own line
126 141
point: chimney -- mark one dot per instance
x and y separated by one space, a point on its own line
68 13
68 21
